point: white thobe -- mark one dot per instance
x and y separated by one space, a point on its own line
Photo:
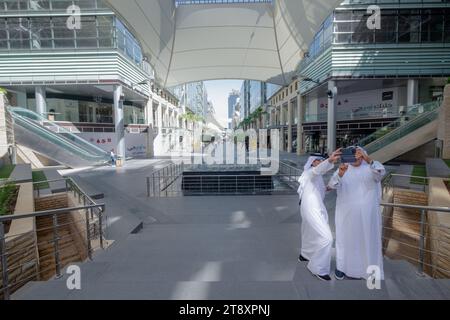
317 240
358 219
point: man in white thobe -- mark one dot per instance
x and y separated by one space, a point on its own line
317 239
358 217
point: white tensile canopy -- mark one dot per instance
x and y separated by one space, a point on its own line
258 41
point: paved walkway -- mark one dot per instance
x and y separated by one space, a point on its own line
210 248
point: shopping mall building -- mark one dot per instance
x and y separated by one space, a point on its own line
374 74
90 76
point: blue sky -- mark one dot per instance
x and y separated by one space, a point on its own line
218 92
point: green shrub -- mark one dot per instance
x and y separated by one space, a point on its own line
419 171
8 194
39 176
6 171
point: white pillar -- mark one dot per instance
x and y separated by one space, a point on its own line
41 104
119 122
300 112
290 123
413 92
331 137
149 112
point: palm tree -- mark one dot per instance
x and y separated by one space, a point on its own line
192 117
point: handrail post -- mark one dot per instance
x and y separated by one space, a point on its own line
148 187
4 262
88 235
422 242
154 184
100 227
56 246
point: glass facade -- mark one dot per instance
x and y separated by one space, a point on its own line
430 25
85 110
194 96
20 30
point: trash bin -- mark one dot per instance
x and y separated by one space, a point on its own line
119 162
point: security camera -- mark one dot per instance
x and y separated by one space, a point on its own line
330 94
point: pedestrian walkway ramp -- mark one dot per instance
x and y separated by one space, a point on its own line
45 137
418 127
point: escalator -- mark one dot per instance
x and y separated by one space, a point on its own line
416 128
44 137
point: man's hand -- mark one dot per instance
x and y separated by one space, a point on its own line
335 156
360 154
343 169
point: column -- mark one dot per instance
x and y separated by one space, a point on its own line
149 113
331 137
300 112
41 104
282 123
119 122
413 92
3 127
290 123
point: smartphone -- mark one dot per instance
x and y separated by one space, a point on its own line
348 155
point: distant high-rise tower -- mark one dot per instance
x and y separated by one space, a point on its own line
232 99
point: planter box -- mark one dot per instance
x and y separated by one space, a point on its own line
439 229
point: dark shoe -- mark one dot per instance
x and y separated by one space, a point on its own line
339 275
323 278
302 259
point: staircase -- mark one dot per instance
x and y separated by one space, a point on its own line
68 251
416 128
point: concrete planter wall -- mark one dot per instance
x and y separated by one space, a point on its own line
21 241
439 229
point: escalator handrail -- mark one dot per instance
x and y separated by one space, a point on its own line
59 139
398 133
430 106
74 138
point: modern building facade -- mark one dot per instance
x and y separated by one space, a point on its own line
375 72
232 100
363 75
193 96
87 72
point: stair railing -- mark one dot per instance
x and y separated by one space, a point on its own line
19 257
429 234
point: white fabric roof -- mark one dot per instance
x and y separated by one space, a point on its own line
224 41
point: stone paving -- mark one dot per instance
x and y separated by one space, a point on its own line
210 248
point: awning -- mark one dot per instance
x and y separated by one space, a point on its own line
256 41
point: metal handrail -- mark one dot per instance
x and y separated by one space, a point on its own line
90 208
402 131
388 182
44 213
416 207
